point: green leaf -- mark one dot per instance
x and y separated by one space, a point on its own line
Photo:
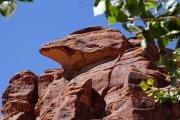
96 2
139 35
164 60
157 29
150 4
146 14
113 14
150 81
112 19
163 42
173 24
121 16
144 86
8 8
132 28
147 36
135 7
150 94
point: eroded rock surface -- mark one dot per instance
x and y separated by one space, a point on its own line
20 97
99 80
46 78
85 47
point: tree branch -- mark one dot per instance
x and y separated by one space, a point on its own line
155 19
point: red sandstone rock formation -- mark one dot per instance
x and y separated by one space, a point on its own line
99 80
20 97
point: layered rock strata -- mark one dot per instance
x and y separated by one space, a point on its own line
99 80
20 97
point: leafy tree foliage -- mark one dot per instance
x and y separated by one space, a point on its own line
7 7
158 22
169 93
160 19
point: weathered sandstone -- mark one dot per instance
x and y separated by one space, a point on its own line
85 47
20 97
99 80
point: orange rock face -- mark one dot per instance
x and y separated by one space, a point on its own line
99 80
20 97
86 46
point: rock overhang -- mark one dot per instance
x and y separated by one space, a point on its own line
85 46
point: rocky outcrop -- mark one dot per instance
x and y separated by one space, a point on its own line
46 78
85 47
20 97
99 80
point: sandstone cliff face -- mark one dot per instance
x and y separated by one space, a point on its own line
99 80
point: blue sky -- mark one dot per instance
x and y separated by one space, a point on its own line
34 24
